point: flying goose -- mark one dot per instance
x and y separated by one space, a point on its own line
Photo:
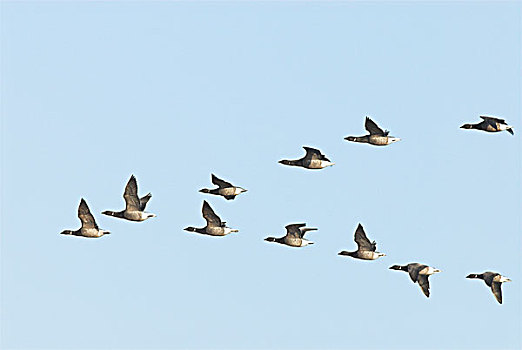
134 206
215 227
365 249
493 280
419 274
89 227
313 159
225 189
490 124
294 236
377 136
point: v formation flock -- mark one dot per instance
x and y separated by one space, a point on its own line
314 159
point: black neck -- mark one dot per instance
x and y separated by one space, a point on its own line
352 254
118 214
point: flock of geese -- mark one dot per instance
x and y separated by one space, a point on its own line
314 159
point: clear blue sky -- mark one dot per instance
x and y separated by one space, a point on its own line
174 91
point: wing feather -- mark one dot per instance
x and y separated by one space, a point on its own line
373 129
294 230
497 291
132 202
144 200
85 215
212 219
424 284
220 183
362 241
493 119
312 153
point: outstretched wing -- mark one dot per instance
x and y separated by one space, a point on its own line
312 153
304 230
493 119
362 241
294 230
220 183
497 291
130 195
210 216
414 269
424 284
144 200
373 129
85 215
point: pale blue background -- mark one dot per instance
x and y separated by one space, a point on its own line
172 91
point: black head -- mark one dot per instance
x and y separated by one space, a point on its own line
350 138
467 126
190 229
398 267
473 275
285 162
270 239
66 232
204 190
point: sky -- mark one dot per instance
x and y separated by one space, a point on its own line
92 92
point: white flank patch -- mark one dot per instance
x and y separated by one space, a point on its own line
228 230
305 242
325 163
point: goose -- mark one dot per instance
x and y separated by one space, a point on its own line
134 206
215 227
419 273
493 280
294 236
490 124
225 189
313 159
365 249
377 136
89 227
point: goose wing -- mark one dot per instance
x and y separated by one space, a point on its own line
414 269
373 129
304 230
85 215
294 230
362 241
312 153
130 195
424 284
497 291
210 216
144 200
220 183
493 119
